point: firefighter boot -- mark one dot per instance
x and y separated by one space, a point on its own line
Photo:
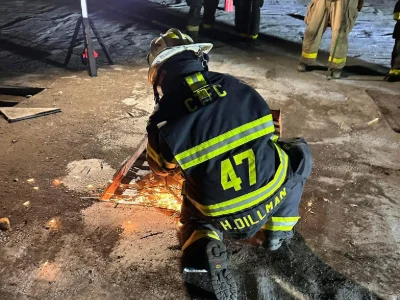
222 280
273 240
335 73
393 76
192 31
302 67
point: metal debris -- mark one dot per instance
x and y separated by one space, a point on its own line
373 121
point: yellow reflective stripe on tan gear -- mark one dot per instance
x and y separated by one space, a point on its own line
396 16
281 223
199 234
225 142
337 60
394 72
251 199
309 55
196 81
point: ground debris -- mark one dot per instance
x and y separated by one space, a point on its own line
373 121
151 234
5 224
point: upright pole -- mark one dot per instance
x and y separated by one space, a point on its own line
88 40
73 42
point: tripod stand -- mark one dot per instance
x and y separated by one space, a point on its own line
87 24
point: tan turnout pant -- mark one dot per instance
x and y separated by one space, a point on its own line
319 14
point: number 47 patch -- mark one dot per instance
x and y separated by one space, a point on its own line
229 179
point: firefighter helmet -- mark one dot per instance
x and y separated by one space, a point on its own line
169 44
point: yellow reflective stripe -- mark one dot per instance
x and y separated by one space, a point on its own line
192 28
159 159
275 138
337 60
228 147
199 234
284 219
251 199
396 16
154 155
223 137
309 55
394 72
281 223
196 81
250 36
277 228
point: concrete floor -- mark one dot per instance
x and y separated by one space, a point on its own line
347 245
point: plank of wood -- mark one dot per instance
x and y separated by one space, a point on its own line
14 114
113 186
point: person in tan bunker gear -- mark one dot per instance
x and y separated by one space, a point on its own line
341 15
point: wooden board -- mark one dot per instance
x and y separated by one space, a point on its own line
14 114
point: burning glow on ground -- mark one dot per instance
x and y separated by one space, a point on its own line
56 182
52 224
153 191
128 227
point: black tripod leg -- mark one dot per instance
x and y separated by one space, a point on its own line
72 45
96 33
89 47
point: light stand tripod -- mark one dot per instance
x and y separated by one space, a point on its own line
87 25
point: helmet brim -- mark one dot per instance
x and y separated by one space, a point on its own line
169 52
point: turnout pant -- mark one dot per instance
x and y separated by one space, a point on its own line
319 14
247 17
196 232
194 20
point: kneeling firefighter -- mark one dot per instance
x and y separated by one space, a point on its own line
218 132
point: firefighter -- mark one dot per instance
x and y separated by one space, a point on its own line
193 25
341 14
247 17
394 73
218 133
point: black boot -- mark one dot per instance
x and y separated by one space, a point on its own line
222 280
274 239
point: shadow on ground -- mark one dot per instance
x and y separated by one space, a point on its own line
292 272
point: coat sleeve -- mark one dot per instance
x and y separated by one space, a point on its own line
159 156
